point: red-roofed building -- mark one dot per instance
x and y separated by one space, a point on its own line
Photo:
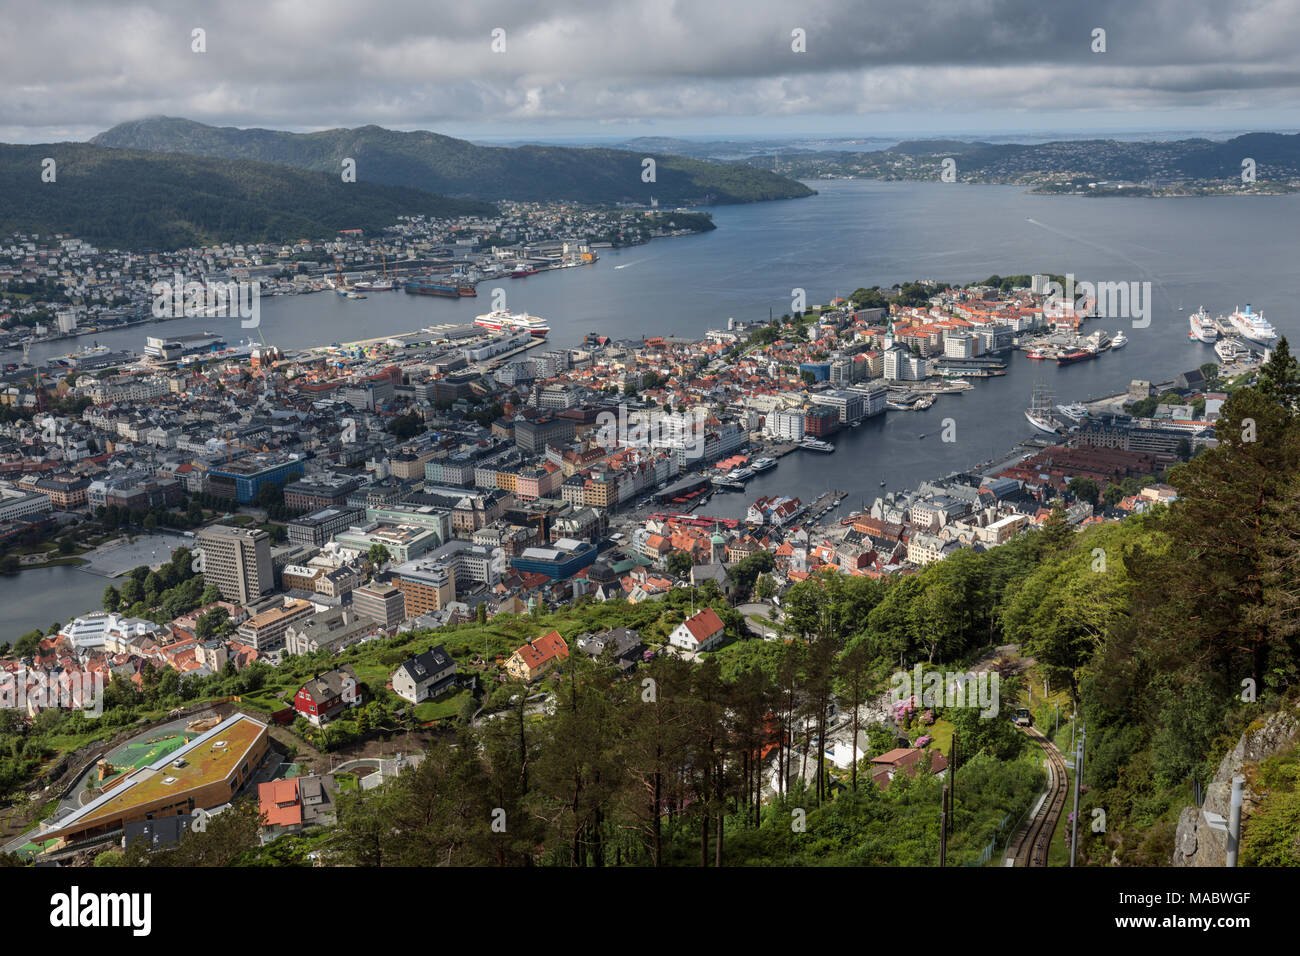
702 631
904 760
531 661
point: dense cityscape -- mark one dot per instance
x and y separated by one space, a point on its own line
611 440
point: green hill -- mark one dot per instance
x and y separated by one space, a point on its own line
135 200
455 167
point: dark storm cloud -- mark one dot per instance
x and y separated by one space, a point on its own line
72 68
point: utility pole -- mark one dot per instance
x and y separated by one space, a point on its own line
1078 776
1234 820
952 780
943 830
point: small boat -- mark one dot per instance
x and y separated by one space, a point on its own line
922 435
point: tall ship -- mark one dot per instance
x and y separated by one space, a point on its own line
1202 328
1039 413
1253 325
427 287
503 321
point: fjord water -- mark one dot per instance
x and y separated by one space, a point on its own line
1220 252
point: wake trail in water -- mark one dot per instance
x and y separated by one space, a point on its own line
1106 250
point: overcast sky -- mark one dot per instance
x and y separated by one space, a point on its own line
618 68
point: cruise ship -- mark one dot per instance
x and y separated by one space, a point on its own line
503 321
1202 328
1253 326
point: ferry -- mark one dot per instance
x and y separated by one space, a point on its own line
1253 325
762 464
1230 350
1119 341
1201 327
816 444
503 321
740 474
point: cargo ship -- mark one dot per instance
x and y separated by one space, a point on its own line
1076 355
466 290
424 287
503 321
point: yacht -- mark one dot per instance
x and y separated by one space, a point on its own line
1119 341
1075 412
1202 328
1253 325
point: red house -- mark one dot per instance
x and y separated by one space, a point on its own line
322 699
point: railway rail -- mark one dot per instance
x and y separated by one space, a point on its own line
1031 846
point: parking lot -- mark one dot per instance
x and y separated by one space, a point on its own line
120 556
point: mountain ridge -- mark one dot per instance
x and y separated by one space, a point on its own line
437 163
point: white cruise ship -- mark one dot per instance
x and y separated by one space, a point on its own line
1202 328
1253 325
503 321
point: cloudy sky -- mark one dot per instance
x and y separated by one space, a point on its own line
618 68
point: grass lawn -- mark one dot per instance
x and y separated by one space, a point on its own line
347 781
448 706
941 731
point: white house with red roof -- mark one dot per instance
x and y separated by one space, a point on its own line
702 631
